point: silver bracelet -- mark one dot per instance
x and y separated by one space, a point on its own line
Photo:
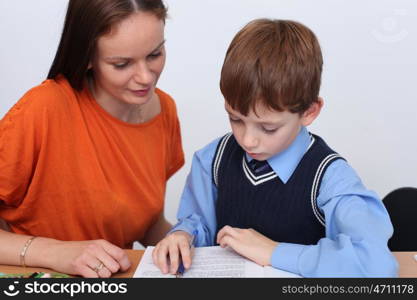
24 249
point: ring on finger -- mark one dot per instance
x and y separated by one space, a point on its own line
98 267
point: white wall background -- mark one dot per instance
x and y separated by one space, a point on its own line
369 80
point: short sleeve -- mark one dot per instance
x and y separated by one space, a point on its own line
20 140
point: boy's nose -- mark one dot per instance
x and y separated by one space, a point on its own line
250 142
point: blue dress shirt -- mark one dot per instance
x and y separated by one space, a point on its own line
357 224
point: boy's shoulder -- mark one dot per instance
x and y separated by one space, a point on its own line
339 176
208 152
319 142
210 148
319 150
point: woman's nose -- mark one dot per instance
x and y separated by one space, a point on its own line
143 74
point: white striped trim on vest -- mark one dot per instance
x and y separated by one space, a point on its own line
255 180
311 142
218 157
319 173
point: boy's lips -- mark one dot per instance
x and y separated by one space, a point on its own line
254 154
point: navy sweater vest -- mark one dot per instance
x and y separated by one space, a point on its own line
282 212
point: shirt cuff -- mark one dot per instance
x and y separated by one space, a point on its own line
183 226
285 257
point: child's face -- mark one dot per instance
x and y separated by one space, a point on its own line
266 133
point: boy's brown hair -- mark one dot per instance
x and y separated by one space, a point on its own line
274 62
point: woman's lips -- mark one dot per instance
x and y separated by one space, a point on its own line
141 93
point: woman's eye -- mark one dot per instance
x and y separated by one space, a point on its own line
121 65
155 55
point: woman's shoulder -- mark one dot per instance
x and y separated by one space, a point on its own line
167 102
163 95
42 100
49 92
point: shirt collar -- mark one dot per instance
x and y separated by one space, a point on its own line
285 162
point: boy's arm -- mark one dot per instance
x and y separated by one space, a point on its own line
196 211
357 232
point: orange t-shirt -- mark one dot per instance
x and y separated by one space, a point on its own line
71 171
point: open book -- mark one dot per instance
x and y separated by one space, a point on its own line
211 262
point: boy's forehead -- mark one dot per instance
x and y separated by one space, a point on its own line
260 113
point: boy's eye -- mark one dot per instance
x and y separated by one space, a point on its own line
269 131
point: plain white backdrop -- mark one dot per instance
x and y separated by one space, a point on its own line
369 79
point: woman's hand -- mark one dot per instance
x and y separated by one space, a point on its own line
166 255
248 243
93 259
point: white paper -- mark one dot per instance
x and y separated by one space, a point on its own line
272 272
211 262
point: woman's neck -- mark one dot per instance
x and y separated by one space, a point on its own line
126 112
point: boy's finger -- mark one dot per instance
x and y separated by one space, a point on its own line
155 255
162 259
227 241
226 230
185 254
173 258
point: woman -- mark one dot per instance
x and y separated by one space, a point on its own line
85 156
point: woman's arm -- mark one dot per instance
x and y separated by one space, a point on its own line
3 225
157 232
77 258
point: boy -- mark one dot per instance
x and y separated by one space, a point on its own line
272 191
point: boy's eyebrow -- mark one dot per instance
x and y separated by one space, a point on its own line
277 123
127 58
270 123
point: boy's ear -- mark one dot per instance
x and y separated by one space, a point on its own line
312 112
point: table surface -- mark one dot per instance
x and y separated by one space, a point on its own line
408 265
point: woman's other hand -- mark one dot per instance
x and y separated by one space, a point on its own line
93 259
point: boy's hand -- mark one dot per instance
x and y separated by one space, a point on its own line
248 243
168 252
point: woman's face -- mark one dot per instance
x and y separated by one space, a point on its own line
129 60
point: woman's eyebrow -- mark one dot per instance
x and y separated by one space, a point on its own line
159 46
127 58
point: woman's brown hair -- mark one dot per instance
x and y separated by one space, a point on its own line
85 22
274 62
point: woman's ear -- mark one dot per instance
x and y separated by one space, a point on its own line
312 112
